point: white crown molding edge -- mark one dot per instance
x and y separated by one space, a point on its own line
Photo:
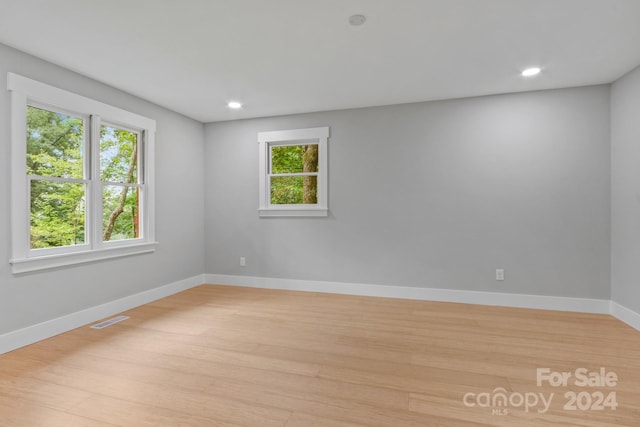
31 334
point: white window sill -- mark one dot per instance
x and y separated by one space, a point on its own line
26 265
285 212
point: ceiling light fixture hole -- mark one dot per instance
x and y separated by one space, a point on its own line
357 20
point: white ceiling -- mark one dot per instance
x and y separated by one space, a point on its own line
294 56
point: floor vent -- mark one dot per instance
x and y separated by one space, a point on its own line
109 322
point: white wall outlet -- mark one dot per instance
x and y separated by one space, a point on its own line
500 274
243 261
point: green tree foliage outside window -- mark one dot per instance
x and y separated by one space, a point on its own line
54 150
294 177
56 168
119 165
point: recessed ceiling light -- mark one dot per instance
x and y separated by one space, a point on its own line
234 105
357 20
529 72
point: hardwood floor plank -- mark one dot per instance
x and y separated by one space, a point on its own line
124 413
45 394
25 413
231 356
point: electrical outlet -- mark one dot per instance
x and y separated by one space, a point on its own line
499 274
243 261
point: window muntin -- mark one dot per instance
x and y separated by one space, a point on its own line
88 192
293 172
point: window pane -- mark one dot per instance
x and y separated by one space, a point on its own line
54 144
294 158
294 190
120 210
57 214
118 155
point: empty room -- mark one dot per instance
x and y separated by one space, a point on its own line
320 213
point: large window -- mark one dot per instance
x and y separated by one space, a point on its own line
293 172
82 182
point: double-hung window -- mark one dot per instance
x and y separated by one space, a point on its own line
293 172
82 178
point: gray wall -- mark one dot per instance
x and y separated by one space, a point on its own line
625 190
33 298
435 194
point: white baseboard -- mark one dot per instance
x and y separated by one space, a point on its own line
626 315
29 335
431 294
583 305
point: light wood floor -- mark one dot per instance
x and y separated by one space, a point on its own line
226 356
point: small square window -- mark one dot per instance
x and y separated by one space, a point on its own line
293 172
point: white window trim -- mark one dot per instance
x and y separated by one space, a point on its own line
24 259
318 136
